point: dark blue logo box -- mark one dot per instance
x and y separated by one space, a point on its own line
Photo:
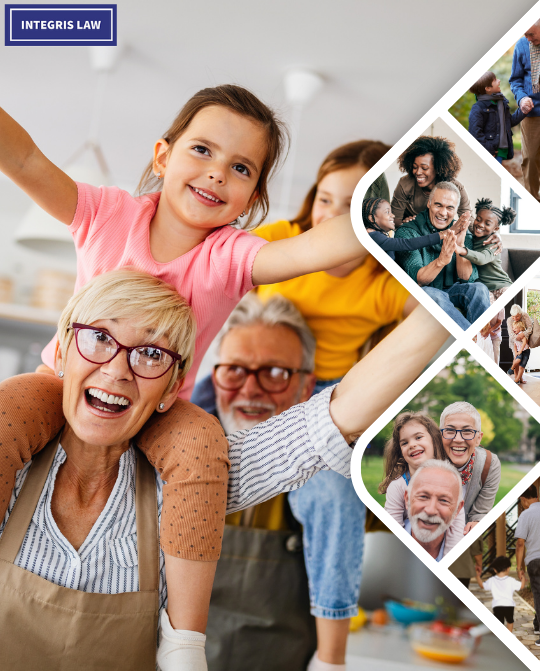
60 25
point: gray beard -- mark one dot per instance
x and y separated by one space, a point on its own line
424 535
232 424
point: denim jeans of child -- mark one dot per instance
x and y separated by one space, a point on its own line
333 520
471 297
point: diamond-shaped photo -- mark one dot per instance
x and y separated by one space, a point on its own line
501 110
502 567
452 453
512 338
450 223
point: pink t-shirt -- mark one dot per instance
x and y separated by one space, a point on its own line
111 230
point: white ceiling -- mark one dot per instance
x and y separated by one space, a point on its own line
385 63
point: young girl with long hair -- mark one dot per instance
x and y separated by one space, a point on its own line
209 170
415 439
344 306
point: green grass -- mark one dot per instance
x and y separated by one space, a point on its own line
372 474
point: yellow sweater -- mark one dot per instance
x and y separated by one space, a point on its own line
342 312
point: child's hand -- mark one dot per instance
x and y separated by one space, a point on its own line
462 224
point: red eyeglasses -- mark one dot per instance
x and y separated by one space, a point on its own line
146 361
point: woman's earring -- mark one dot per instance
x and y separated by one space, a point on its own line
161 406
243 214
61 373
158 175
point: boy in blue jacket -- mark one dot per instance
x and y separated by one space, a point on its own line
490 121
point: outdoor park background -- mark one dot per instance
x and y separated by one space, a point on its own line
509 431
461 108
502 69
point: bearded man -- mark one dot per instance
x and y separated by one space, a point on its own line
434 497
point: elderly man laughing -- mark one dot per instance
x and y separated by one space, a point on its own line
446 277
434 497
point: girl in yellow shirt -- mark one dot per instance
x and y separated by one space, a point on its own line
344 307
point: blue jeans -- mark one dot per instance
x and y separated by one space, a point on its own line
500 159
333 520
471 297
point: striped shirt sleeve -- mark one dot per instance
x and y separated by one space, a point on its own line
281 454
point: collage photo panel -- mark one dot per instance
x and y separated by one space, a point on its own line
270 366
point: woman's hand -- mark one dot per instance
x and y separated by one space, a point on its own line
495 240
468 527
407 219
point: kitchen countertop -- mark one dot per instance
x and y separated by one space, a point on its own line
388 649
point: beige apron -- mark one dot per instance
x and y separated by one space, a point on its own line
44 627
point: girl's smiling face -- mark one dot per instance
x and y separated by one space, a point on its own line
486 223
334 194
384 218
416 444
210 174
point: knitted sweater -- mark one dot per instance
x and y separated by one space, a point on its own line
490 270
414 261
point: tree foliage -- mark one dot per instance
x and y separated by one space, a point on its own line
464 379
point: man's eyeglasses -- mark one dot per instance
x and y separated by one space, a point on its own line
272 379
466 434
146 361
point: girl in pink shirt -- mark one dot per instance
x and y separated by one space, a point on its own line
415 439
208 175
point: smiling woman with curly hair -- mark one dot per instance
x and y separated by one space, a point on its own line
426 162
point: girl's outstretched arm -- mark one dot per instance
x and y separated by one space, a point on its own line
376 381
21 161
330 244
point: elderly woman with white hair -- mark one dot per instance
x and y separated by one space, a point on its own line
518 314
82 582
480 469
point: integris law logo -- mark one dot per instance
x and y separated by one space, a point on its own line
60 25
